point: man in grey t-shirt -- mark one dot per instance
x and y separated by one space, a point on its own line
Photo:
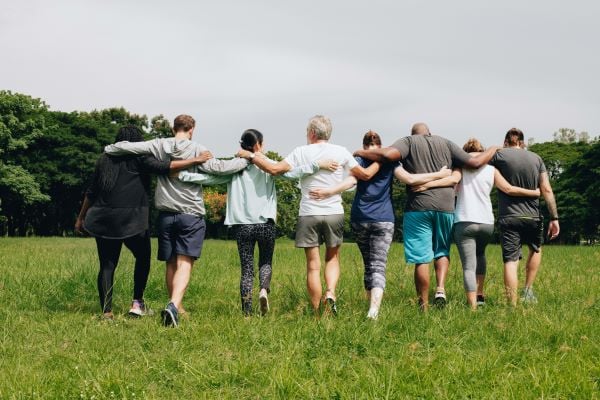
519 217
428 216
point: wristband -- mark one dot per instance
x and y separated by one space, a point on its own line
554 219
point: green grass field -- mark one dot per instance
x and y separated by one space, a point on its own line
53 345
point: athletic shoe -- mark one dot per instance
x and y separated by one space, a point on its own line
139 309
480 300
440 299
263 299
332 306
107 316
170 315
373 313
528 297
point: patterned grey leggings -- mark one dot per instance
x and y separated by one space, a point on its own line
374 240
247 236
471 239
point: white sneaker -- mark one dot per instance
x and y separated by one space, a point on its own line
139 309
263 299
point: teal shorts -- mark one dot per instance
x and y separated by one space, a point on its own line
427 235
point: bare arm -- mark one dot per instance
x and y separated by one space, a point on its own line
365 174
384 154
178 165
503 185
481 159
418 179
323 193
546 189
263 163
82 213
451 180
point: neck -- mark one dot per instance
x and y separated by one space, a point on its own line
182 135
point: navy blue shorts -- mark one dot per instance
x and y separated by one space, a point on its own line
179 234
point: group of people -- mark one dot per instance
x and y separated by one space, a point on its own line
438 175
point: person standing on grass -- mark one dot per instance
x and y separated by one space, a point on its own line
115 211
520 218
474 218
428 215
319 221
251 212
372 216
180 224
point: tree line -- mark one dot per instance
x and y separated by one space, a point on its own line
47 159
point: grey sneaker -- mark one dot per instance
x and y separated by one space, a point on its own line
332 306
170 316
528 297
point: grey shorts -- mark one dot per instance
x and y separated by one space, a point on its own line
314 230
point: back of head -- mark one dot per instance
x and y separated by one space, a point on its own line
129 133
183 123
371 139
321 126
250 138
420 128
514 137
473 146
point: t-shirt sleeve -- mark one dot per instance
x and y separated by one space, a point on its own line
459 156
494 160
352 162
403 146
293 159
542 166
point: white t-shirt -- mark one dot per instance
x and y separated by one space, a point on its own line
323 178
473 203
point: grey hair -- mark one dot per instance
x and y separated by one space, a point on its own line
321 126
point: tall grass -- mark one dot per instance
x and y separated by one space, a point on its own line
53 345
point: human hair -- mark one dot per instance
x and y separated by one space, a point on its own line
473 146
107 167
250 138
371 139
183 123
321 126
420 128
514 137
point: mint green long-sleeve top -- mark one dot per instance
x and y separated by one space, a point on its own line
251 194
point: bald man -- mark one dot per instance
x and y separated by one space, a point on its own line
428 215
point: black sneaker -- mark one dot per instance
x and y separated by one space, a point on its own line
170 315
480 300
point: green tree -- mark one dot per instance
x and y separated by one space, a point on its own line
22 121
160 127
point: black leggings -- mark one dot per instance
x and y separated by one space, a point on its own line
109 251
247 237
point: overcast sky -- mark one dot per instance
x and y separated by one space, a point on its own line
467 68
